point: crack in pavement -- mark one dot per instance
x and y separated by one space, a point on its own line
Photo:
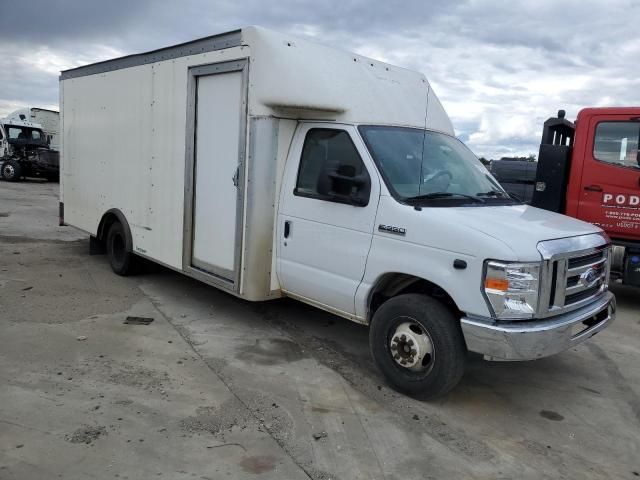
181 331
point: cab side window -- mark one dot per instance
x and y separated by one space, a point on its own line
13 132
331 169
617 143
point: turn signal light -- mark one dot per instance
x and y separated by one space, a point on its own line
496 284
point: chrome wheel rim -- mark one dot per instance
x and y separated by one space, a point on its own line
8 171
411 347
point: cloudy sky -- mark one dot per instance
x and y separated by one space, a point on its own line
499 67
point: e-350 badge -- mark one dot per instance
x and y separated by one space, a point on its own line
392 229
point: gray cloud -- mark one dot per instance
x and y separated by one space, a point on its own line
69 21
500 68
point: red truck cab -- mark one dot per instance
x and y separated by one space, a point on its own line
604 179
590 170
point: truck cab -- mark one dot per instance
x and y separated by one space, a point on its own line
372 216
24 151
49 121
604 183
24 134
590 170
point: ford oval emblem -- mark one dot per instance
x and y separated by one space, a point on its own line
590 276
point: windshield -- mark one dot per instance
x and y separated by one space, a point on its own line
26 134
424 165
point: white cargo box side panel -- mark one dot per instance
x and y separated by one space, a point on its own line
124 147
105 165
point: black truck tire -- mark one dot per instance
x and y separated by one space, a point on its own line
123 262
11 171
417 343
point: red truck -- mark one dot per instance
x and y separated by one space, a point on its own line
589 169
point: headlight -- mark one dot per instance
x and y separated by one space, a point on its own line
512 288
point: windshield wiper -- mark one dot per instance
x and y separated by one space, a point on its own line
436 195
498 194
493 193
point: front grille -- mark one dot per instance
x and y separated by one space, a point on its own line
578 278
583 295
573 281
584 260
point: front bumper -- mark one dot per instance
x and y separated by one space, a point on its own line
531 339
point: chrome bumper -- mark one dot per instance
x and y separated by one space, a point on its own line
531 339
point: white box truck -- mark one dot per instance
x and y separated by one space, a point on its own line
270 166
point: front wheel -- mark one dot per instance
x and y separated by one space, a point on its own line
11 171
417 343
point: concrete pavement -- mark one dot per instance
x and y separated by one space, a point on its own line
216 387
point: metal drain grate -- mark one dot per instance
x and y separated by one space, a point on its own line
138 320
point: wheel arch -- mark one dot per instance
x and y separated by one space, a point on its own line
110 217
392 284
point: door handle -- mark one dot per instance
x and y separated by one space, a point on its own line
593 188
287 228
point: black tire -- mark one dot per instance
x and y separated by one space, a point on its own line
433 324
11 171
123 262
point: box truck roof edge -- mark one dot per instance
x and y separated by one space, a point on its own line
288 79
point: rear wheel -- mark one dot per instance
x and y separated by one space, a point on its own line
123 262
11 171
417 343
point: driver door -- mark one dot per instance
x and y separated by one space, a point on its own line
327 213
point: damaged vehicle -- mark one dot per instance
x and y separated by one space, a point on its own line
25 152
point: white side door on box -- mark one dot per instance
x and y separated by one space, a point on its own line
324 239
217 158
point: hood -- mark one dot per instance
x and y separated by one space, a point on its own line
521 227
507 233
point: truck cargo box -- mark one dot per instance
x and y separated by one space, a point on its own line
188 142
